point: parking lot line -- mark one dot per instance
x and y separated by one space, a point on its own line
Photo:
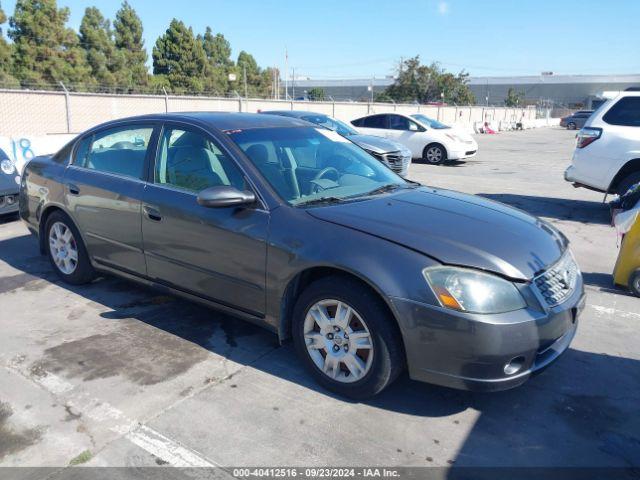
148 439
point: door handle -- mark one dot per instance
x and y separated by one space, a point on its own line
73 189
152 213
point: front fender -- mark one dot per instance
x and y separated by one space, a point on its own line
388 268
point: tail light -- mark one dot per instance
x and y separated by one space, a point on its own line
587 136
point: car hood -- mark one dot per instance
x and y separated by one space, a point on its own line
455 229
376 144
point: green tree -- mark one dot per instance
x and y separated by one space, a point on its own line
131 71
514 98
219 64
217 49
429 83
316 94
6 79
255 81
96 38
45 51
181 57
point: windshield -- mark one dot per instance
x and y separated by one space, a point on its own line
430 122
332 124
307 164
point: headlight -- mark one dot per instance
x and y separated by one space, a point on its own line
7 166
472 291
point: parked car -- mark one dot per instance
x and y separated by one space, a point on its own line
434 144
393 154
607 153
297 229
575 120
9 185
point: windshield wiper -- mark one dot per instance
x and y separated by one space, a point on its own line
321 201
385 188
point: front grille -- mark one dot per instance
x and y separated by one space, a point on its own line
557 283
395 161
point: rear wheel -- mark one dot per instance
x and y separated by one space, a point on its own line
627 182
434 154
571 126
66 251
346 337
634 283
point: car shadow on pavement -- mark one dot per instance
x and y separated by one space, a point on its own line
583 211
447 163
582 410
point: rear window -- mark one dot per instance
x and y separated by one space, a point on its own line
625 112
376 121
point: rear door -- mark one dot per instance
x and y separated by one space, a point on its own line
218 254
103 191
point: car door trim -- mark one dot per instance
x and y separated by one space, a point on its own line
105 264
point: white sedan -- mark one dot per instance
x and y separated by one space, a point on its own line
428 139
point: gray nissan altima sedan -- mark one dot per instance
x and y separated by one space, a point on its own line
296 228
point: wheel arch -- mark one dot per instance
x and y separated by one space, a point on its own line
306 277
628 168
44 215
435 143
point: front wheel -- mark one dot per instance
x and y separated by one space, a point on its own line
434 154
346 337
66 251
634 283
571 126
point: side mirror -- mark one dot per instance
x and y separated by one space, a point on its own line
225 196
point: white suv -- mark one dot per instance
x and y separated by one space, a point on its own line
607 154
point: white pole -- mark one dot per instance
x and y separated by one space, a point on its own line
286 74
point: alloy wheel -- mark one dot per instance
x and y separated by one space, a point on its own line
63 248
434 155
338 341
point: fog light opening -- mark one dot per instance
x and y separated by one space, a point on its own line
514 366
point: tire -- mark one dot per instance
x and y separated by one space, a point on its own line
634 283
571 126
627 182
381 358
66 250
434 154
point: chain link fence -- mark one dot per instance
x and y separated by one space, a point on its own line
42 112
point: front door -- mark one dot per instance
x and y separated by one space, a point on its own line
103 192
216 253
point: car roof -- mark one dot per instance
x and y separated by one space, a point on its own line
294 113
220 120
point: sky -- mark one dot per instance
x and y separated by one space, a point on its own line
362 39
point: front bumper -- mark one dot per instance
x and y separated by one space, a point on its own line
470 352
8 201
463 151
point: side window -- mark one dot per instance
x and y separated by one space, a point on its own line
625 112
375 121
119 150
192 161
396 122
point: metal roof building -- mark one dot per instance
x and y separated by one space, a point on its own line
562 90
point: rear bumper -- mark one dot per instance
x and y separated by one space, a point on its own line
470 352
572 175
